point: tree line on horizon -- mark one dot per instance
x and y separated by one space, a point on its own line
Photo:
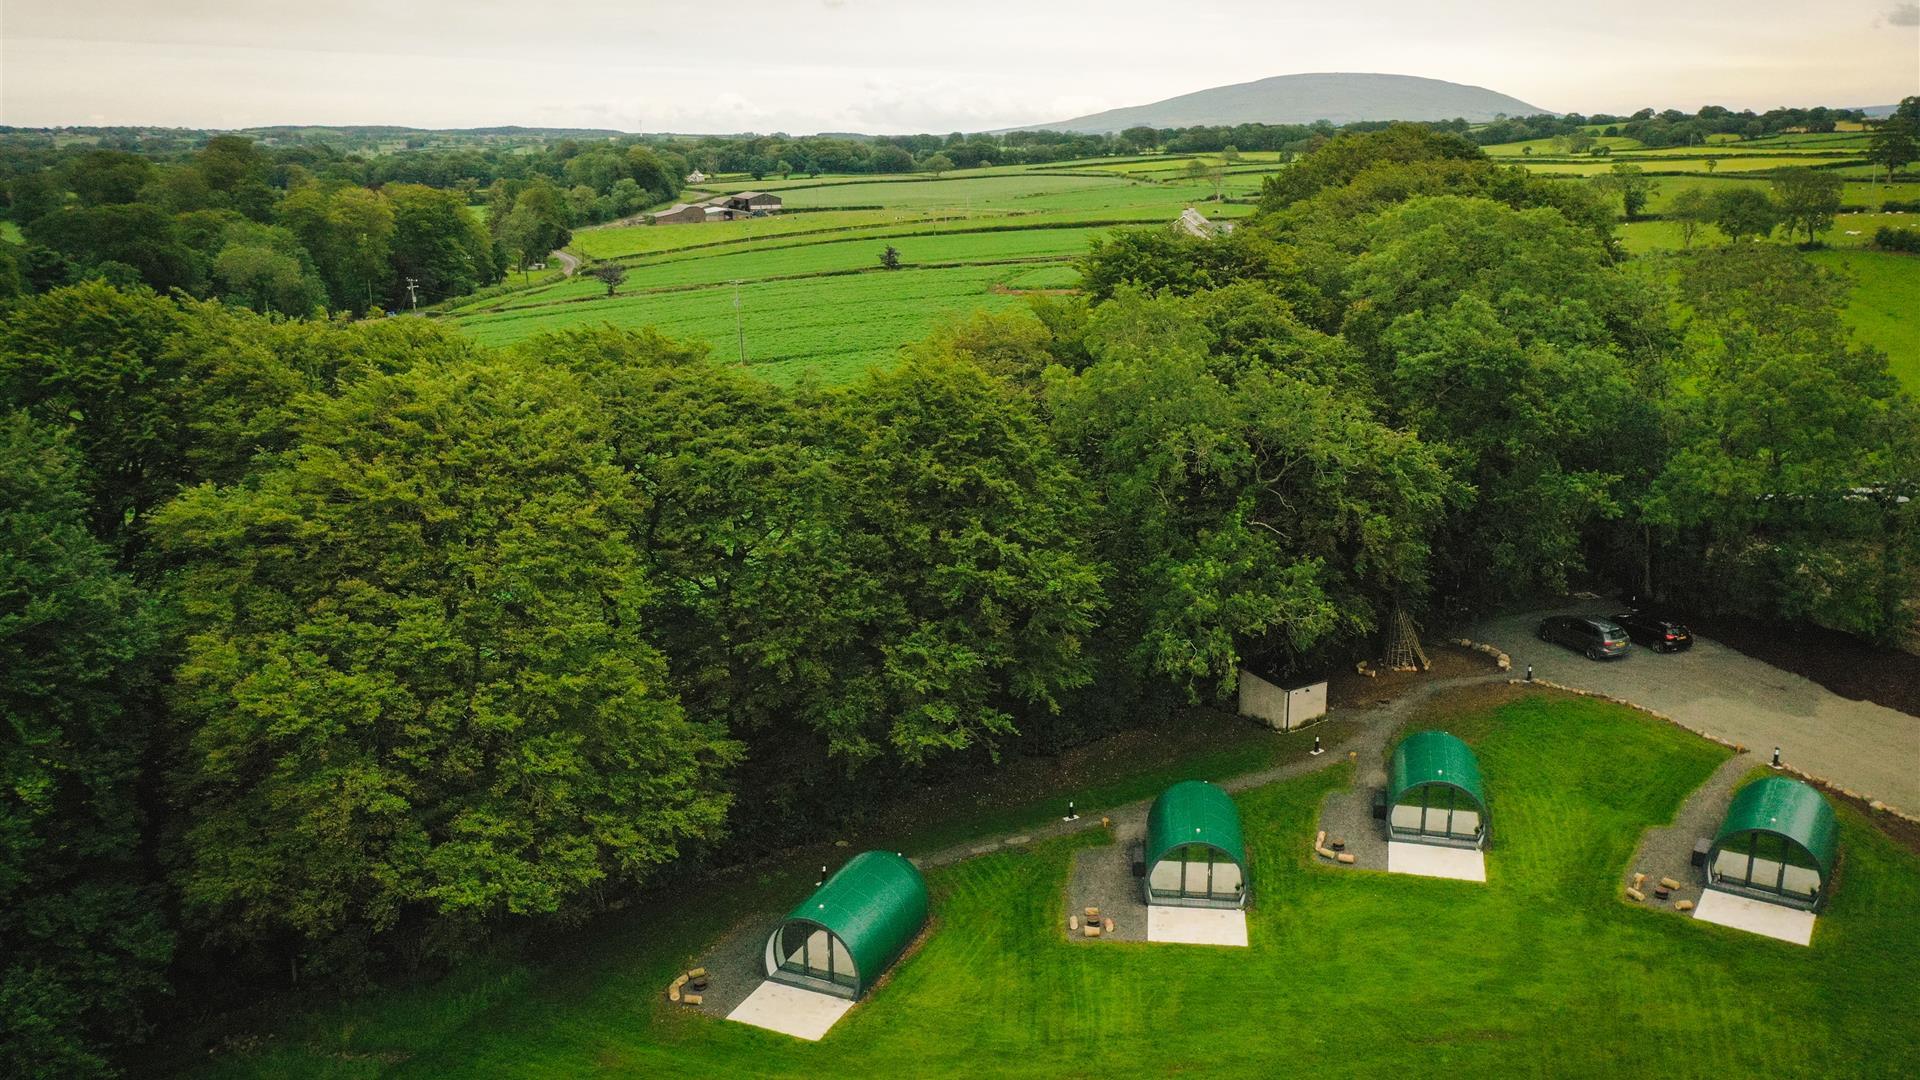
336 650
304 227
279 232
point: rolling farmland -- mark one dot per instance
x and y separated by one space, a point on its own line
814 301
813 297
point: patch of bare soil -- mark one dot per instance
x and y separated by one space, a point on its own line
1347 688
1840 662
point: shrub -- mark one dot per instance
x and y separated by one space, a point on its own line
1887 238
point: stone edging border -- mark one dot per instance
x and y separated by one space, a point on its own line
1500 659
1873 804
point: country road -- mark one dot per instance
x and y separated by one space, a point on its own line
568 263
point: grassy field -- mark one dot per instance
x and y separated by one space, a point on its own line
1885 311
1544 970
829 327
814 301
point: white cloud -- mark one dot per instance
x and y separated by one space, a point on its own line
1904 15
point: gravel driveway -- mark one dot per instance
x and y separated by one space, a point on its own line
1858 745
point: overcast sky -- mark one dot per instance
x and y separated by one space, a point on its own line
904 65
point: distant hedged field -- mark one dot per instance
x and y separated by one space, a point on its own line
978 239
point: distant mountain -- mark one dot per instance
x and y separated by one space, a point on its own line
1301 99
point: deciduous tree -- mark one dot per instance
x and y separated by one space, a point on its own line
1808 199
416 675
83 944
1742 212
1896 139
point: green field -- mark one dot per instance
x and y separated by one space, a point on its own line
1693 162
1544 970
832 327
813 296
814 299
1885 311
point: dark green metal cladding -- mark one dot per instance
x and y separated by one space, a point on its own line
1788 808
1194 812
875 905
1435 757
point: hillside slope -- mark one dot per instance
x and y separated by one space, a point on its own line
1301 99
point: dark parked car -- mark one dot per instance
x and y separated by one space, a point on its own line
1598 638
1654 631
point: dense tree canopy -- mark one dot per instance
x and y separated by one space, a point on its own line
416 671
82 940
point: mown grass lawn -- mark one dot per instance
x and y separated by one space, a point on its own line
1541 971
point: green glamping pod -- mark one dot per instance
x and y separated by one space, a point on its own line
1194 854
1434 792
840 939
1778 842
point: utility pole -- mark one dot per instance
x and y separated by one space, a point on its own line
739 324
413 292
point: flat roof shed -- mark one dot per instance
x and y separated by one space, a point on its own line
843 937
1435 794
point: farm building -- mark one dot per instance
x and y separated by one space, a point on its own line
680 213
720 208
1194 223
1434 792
1194 854
758 202
840 939
696 177
1778 843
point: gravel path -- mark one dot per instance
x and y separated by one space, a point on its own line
734 966
1867 748
1103 878
1667 851
1372 727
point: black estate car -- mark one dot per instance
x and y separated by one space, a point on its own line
1598 638
1654 631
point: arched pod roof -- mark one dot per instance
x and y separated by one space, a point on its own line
1789 808
875 905
1435 757
1194 812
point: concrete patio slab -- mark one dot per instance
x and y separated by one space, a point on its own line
790 1010
1756 916
1197 926
1429 860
